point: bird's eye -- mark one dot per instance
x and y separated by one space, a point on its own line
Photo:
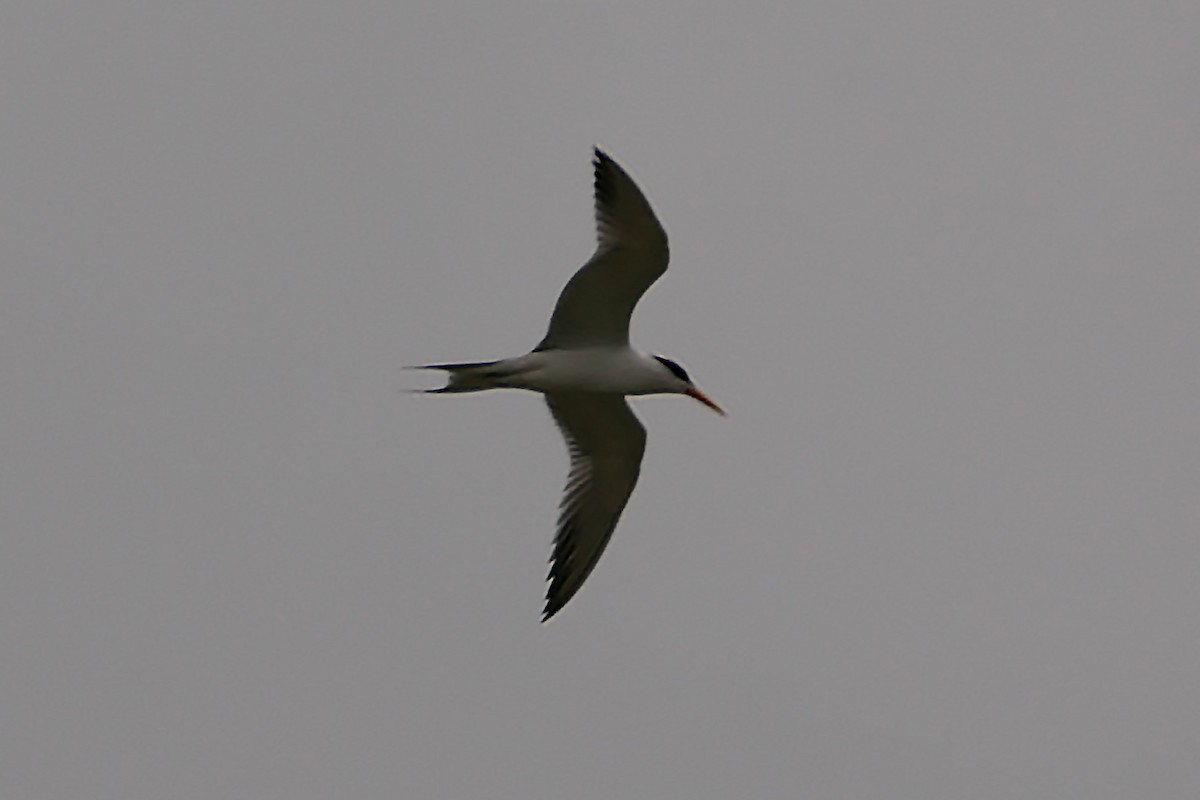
674 368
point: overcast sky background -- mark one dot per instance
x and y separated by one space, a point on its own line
939 260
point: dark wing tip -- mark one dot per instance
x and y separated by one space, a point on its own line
622 212
602 184
559 594
553 606
555 603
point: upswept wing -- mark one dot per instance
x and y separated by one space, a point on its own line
596 304
606 442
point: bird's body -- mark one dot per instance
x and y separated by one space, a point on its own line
585 367
612 370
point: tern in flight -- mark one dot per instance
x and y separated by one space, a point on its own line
585 367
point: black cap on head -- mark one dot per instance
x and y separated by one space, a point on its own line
676 370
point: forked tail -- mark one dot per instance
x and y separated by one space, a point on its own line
471 377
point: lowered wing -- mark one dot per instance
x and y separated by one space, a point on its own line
606 442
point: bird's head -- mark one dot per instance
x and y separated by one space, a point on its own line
678 382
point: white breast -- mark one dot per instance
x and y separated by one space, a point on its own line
598 369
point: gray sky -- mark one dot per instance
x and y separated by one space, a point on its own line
938 259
